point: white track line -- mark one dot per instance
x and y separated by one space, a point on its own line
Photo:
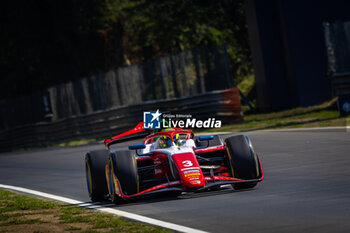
120 213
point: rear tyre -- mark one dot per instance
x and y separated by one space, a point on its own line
216 141
95 162
123 166
243 160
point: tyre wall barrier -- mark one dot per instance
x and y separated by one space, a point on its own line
222 105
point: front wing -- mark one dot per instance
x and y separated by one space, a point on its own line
175 186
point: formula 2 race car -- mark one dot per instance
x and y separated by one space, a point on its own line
170 160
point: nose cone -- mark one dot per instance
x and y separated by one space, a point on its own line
190 173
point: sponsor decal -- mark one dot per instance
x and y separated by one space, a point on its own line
189 168
192 174
191 171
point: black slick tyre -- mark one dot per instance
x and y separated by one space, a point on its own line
123 166
95 162
243 160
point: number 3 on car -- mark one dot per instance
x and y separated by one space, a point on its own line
187 163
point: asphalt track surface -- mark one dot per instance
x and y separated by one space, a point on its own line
306 186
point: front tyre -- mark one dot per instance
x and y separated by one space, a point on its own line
243 160
95 162
124 168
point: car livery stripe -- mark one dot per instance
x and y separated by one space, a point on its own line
161 186
207 178
209 149
138 178
261 170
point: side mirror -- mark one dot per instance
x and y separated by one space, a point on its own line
206 138
137 146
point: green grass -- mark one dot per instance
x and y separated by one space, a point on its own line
72 218
317 116
17 211
72 229
17 221
4 217
13 202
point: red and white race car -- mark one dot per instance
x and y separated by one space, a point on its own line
170 160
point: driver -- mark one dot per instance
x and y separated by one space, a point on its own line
176 138
164 142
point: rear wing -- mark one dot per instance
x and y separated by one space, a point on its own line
137 132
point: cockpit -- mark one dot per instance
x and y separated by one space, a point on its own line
163 142
169 141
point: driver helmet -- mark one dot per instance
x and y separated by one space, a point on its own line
176 138
164 142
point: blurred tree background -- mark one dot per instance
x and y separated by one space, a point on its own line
48 42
